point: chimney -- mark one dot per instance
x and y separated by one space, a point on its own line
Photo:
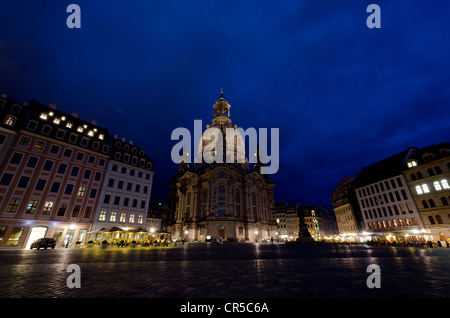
74 114
52 105
130 142
123 139
115 136
94 122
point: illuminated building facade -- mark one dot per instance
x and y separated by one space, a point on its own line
427 173
387 205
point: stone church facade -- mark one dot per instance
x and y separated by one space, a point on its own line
230 200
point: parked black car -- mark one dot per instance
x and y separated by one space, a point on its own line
43 242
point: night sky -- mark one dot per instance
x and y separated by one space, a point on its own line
342 95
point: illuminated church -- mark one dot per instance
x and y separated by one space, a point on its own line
229 200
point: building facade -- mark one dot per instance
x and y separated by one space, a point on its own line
320 222
346 208
287 221
427 173
232 201
388 208
125 193
53 175
51 178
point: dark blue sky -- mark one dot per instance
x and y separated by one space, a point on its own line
343 96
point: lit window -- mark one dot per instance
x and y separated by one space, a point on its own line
102 216
50 113
122 217
140 219
445 184
80 129
101 136
43 116
39 145
419 190
90 133
47 208
81 191
10 121
131 218
112 218
56 121
425 188
69 125
437 185
63 118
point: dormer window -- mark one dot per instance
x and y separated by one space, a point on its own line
101 137
69 125
90 133
56 120
43 116
412 163
80 129
50 113
10 121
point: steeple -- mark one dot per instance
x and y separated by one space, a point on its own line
221 110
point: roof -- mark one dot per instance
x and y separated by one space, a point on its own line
384 169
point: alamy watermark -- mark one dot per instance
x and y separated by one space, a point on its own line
212 142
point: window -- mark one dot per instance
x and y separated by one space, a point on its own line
55 187
129 186
23 182
221 191
87 212
48 165
437 185
67 153
425 188
69 189
91 159
16 158
62 209
40 184
444 201
114 168
6 179
97 176
145 191
102 216
238 196
111 182
80 156
122 217
10 120
87 174
431 219
238 211
81 191
140 219
221 208
431 202
74 171
419 190
117 200
138 188
39 145
430 172
47 208
438 219
135 201
126 201
13 204
24 141
93 193
131 220
101 162
112 217
31 207
438 170
107 199
445 184
143 204
62 168
54 149
76 211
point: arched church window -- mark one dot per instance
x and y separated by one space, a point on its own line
238 196
221 193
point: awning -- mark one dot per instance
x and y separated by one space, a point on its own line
112 229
